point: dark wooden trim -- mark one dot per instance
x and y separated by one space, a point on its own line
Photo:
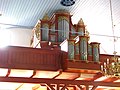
58 81
89 65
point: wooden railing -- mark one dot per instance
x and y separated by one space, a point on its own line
14 57
90 64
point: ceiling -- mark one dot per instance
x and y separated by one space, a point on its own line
95 13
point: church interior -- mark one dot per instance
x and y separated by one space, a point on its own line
59 45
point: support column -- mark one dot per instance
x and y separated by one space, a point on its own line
87 87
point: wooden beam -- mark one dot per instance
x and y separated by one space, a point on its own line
35 87
77 76
111 79
64 87
34 73
80 87
19 86
57 87
60 72
58 81
8 73
87 87
98 75
94 87
50 86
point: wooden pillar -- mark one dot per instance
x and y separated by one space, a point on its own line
87 87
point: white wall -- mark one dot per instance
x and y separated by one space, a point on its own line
15 36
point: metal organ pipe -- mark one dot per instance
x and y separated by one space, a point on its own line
63 25
45 32
71 49
95 51
83 47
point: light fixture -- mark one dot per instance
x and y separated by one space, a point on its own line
111 68
67 2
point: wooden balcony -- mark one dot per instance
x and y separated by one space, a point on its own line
14 57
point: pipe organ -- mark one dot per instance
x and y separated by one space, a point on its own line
59 28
